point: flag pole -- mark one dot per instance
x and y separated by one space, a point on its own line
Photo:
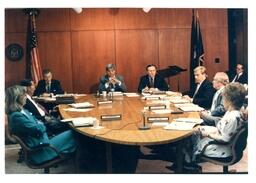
33 67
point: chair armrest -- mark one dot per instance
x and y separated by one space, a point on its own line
218 142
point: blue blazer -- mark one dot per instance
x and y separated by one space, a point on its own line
33 133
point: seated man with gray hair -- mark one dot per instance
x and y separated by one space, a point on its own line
217 110
111 81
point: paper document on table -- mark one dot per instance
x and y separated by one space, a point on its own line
179 100
131 94
46 98
180 126
77 110
189 120
82 105
162 111
184 105
160 123
81 121
191 108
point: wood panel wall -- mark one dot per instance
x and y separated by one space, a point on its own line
76 47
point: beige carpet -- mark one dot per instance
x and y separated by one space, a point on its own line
143 166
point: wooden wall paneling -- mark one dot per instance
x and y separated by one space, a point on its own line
15 20
174 18
91 51
174 49
55 54
53 19
93 19
216 46
135 18
213 18
135 49
15 71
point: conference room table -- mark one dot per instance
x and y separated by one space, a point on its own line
126 130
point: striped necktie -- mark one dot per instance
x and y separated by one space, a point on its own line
151 82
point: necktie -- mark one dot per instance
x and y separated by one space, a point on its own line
48 88
151 82
197 88
237 77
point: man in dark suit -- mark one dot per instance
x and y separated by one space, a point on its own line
152 81
48 86
53 124
203 92
111 81
217 110
241 75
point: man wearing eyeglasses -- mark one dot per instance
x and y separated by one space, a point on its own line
240 76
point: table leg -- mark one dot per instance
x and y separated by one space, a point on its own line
179 157
109 157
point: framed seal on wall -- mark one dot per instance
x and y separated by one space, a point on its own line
14 52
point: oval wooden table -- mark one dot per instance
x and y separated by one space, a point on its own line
125 131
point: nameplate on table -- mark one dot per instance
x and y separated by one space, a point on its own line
152 98
177 111
111 117
156 107
158 119
105 102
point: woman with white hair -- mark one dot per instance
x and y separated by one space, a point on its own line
234 96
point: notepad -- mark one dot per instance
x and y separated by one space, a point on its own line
81 121
77 110
191 108
180 126
189 120
81 105
179 100
183 124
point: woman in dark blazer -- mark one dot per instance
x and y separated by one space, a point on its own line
32 131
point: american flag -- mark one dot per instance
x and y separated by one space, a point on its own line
34 70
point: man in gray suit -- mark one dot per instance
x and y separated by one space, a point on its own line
217 110
111 81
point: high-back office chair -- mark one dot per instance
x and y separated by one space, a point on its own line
238 144
45 165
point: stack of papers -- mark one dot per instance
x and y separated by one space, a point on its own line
189 120
81 105
77 110
81 121
180 126
178 100
183 124
116 93
131 94
191 108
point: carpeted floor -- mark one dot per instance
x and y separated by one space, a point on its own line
147 163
